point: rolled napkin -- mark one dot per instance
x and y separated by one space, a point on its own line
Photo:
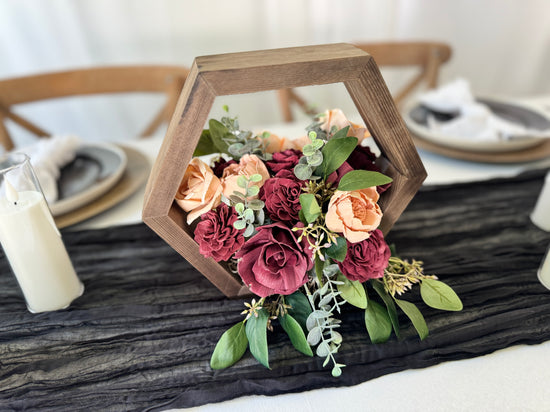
472 120
47 157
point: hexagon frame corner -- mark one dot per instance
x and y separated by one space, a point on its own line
249 72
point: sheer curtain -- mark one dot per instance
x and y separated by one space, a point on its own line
501 46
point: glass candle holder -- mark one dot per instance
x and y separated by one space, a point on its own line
31 241
540 215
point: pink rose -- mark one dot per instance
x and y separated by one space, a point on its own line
273 261
355 214
337 119
367 259
248 165
199 191
215 234
281 195
284 160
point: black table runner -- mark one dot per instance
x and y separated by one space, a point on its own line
142 334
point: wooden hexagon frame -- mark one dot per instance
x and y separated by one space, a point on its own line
249 72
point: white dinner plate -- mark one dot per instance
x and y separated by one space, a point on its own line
415 117
97 167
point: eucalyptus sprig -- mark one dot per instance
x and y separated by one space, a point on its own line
312 158
250 211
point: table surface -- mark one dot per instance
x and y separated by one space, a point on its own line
515 378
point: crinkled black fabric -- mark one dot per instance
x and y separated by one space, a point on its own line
142 334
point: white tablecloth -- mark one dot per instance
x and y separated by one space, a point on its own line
513 379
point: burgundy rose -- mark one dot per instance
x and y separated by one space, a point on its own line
215 234
362 158
273 261
286 159
220 165
367 259
335 176
281 195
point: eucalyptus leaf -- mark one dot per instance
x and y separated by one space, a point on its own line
361 179
378 323
323 350
296 334
315 159
242 182
256 178
415 316
256 204
252 191
390 305
335 152
239 224
248 215
249 230
439 295
314 336
260 217
338 250
256 332
230 348
317 144
308 150
303 171
300 308
310 207
353 292
239 208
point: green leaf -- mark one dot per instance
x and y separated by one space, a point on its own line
239 224
353 292
310 207
361 179
300 309
315 159
338 250
256 204
218 133
415 316
239 208
296 334
390 305
205 146
302 217
335 152
378 322
343 132
256 332
230 348
252 191
439 295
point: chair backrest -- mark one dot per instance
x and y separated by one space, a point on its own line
167 80
427 56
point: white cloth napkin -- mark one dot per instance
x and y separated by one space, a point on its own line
474 121
47 157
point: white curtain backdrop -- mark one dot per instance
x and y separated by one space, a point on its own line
501 46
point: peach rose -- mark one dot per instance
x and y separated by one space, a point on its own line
247 166
276 144
200 190
354 213
336 117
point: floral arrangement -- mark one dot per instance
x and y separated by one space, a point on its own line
297 221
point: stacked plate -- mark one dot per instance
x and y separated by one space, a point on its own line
100 176
515 149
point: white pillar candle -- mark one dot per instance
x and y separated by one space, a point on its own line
34 247
544 270
541 213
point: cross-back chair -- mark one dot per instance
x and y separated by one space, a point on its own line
427 56
14 92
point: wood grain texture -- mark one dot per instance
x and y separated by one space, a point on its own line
233 73
141 336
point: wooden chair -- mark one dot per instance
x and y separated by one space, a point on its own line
168 80
427 56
